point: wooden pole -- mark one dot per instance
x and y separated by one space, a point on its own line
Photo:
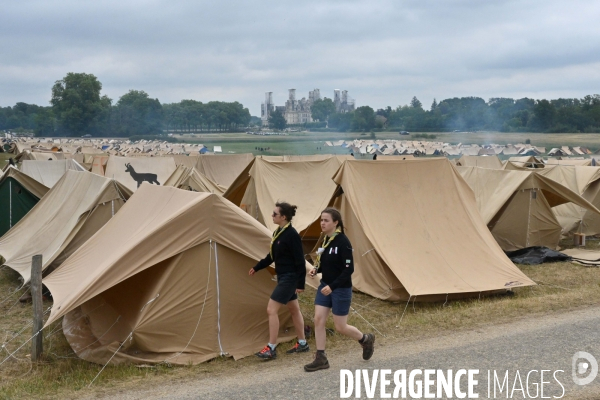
38 313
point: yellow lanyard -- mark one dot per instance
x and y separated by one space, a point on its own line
326 243
275 236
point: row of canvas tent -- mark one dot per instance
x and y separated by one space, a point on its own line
159 271
547 216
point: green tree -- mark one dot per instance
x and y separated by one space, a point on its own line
434 105
364 119
77 104
138 114
44 123
415 103
277 120
322 109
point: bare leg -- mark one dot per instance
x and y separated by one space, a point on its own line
321 314
297 318
341 325
272 310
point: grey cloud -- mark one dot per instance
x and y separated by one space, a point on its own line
383 52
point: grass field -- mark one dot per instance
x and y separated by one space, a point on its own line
562 286
308 142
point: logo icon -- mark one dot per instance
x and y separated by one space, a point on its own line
581 367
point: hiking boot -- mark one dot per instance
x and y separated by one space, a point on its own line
368 346
267 353
298 348
320 362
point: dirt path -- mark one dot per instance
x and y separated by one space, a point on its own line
540 343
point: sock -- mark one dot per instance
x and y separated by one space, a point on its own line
272 346
302 342
361 341
321 352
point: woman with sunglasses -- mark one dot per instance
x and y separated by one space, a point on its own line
287 254
335 262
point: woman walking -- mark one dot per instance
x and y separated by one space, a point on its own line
286 251
335 262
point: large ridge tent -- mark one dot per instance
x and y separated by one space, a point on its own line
223 169
132 171
517 205
306 184
69 214
174 287
492 162
188 178
19 193
49 172
584 181
417 233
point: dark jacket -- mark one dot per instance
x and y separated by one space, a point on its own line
337 263
288 256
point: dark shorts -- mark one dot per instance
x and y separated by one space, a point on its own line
286 288
339 300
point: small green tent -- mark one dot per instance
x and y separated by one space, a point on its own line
19 193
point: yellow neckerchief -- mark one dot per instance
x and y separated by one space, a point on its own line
276 234
325 244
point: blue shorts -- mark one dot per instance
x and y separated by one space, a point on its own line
286 288
339 300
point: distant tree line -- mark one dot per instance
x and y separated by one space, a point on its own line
78 108
467 114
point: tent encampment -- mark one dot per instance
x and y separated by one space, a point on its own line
174 286
19 193
417 233
517 205
69 214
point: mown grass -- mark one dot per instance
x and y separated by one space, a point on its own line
307 142
563 286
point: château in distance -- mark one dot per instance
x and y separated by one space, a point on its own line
298 111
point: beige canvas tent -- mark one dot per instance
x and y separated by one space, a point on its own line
223 169
523 163
132 171
99 164
174 287
492 162
417 233
188 178
517 205
584 181
69 214
306 184
49 172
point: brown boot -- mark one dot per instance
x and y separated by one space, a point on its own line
320 362
368 346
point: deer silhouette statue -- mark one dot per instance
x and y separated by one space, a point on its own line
139 178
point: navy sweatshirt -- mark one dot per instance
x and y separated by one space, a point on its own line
288 256
337 263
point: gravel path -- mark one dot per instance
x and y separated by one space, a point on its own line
540 343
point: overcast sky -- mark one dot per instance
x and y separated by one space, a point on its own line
382 52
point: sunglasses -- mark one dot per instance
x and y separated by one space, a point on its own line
275 214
